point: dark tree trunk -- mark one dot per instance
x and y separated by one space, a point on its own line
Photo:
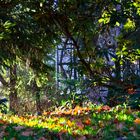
13 92
38 103
118 70
37 98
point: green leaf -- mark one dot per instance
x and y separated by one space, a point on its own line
117 24
8 24
129 25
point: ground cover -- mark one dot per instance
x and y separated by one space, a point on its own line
80 123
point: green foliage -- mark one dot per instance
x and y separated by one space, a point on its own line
6 29
129 25
105 18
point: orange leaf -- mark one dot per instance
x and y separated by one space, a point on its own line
87 121
99 110
68 112
46 113
137 121
77 110
3 122
62 132
86 109
69 123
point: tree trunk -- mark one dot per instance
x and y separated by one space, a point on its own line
13 92
37 98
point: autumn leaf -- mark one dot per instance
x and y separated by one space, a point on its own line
105 108
131 91
129 111
77 110
80 125
101 124
4 127
62 132
137 121
42 138
87 121
46 113
27 133
69 123
116 121
86 109
3 122
32 123
68 112
2 133
52 126
82 138
18 128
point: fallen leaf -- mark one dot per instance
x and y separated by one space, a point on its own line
42 138
69 123
81 138
87 121
2 134
101 124
3 122
80 125
116 121
27 133
105 108
18 128
137 121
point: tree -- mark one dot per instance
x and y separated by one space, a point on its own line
28 26
82 22
22 39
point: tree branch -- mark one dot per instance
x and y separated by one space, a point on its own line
2 80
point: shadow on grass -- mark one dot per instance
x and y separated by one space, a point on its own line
18 132
11 131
